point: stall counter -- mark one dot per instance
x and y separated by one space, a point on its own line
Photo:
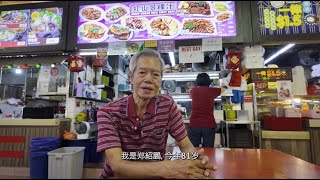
16 135
313 126
31 122
295 143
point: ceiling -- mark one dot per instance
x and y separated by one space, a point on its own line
4 3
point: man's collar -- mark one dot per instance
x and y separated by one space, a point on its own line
131 109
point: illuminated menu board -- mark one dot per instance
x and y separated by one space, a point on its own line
31 27
141 21
288 17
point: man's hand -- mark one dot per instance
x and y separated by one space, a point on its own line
189 169
204 161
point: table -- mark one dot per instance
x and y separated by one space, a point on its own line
260 164
226 123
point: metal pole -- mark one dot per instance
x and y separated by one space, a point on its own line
223 137
260 134
227 131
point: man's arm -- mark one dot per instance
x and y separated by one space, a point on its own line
162 169
186 146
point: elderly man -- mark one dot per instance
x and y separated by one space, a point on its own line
132 128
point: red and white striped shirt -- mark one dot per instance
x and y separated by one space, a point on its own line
119 126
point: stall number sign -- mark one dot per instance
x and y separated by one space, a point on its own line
190 54
288 17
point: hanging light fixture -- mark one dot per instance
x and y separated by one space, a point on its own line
38 66
18 70
53 65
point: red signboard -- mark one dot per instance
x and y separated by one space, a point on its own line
261 85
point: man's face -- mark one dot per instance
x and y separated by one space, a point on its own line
146 79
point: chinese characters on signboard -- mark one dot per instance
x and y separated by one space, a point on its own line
268 74
288 17
162 20
153 8
166 46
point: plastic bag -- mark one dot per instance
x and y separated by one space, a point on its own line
237 97
243 86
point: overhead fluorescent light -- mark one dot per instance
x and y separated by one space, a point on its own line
172 60
183 78
88 52
279 52
187 100
18 70
182 100
189 74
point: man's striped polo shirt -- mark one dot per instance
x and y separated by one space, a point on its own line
119 126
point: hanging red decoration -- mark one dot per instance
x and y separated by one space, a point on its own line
24 66
76 63
98 62
235 80
233 59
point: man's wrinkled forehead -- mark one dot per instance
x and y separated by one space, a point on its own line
143 66
148 68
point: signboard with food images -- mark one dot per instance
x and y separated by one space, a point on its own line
288 17
142 21
31 27
268 74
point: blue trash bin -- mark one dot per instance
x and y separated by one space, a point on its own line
39 147
39 165
95 157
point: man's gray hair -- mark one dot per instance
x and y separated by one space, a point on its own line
146 52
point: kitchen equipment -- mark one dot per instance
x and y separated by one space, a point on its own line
292 112
85 130
277 111
242 115
38 113
211 62
315 114
169 86
10 91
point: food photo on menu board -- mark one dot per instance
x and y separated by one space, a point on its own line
13 28
140 21
32 27
45 26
